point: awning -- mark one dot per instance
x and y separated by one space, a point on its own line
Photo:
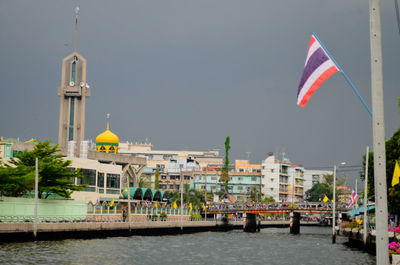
360 210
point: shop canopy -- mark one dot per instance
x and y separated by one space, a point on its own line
360 210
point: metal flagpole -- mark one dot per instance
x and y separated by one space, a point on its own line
181 166
334 207
378 126
36 198
365 199
356 202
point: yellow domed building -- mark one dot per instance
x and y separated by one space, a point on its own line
107 142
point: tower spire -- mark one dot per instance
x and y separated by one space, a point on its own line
76 29
108 121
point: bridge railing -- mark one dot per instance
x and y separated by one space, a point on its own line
273 206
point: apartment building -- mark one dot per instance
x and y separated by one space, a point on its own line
282 180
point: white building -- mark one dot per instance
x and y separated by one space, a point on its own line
312 177
282 180
270 178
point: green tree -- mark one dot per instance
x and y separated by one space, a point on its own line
328 179
144 181
254 195
318 191
225 169
18 176
195 197
392 155
157 180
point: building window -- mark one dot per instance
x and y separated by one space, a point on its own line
239 178
171 177
253 179
163 177
240 187
171 186
100 179
272 170
113 181
213 178
89 177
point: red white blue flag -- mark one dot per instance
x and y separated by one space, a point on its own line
353 199
319 67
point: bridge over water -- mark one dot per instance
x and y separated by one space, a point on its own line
269 208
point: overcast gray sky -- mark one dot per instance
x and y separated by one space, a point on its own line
185 74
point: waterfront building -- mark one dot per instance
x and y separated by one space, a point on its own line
312 177
204 158
240 183
5 150
103 181
170 176
343 194
169 162
282 180
245 166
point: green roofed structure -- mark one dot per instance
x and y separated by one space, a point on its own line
146 194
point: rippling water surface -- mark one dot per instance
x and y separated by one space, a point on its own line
270 246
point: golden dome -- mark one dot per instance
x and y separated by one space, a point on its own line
107 137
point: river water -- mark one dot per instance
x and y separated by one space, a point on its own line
270 246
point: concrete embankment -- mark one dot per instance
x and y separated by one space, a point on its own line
58 231
356 238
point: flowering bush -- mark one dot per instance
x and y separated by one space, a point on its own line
396 229
394 248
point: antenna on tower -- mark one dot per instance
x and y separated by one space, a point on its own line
248 155
76 29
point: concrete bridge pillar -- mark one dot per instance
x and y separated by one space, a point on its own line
250 223
294 223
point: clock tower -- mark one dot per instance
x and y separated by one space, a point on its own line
73 92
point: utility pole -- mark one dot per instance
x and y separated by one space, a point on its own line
205 197
129 202
36 198
365 199
181 166
378 128
334 207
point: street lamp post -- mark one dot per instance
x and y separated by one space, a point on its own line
181 166
205 198
365 199
334 206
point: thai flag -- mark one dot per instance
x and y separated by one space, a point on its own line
319 67
353 199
